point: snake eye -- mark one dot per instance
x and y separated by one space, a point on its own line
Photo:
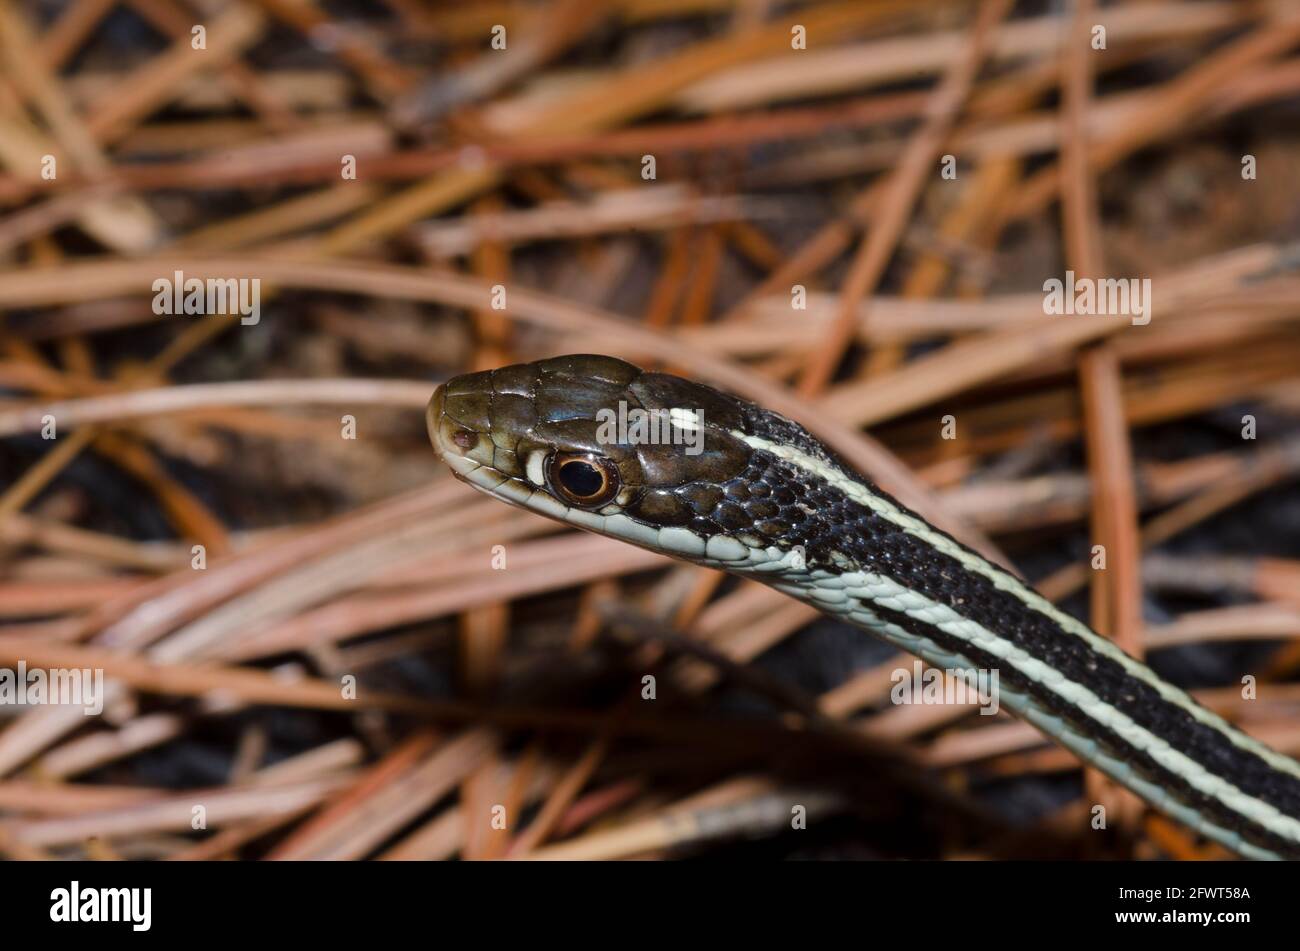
582 479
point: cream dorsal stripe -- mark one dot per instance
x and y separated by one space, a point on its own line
1053 725
923 531
886 592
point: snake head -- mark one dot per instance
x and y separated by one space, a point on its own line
599 443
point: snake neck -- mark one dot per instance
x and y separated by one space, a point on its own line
864 557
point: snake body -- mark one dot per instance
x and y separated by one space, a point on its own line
759 496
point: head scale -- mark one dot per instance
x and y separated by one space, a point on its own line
543 436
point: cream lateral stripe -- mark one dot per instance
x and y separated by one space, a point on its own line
1005 582
1033 710
879 589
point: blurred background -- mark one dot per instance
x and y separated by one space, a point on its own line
316 644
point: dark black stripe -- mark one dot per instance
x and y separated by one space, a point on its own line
834 522
1111 741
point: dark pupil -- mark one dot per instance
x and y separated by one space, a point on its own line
581 478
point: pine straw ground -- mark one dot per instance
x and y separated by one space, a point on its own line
488 698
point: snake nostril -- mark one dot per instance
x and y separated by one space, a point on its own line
464 438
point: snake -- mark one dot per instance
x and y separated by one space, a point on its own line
675 466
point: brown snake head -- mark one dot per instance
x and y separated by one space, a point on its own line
544 436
